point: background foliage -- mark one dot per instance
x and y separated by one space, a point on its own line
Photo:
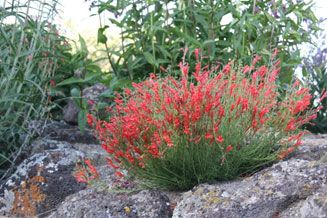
30 53
315 66
152 32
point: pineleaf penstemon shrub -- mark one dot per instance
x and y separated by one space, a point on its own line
176 133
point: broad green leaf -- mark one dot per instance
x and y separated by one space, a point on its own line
164 51
70 81
211 41
150 58
93 68
102 38
83 45
114 21
106 94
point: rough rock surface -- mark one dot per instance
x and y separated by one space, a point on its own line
43 185
313 206
70 112
93 92
90 151
90 203
42 181
294 183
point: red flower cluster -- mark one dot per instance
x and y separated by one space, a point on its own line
86 173
160 114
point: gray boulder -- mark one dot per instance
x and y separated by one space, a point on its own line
93 92
297 182
94 152
41 182
53 132
314 206
102 204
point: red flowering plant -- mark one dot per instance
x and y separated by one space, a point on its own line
86 172
216 125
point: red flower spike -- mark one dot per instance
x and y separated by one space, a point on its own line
246 69
80 176
111 164
208 135
291 125
168 140
152 76
52 83
226 69
119 174
220 139
255 60
197 71
92 169
184 69
229 148
196 52
90 119
323 95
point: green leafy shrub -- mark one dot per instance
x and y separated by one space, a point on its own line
75 73
217 125
152 32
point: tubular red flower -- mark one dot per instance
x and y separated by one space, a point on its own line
93 170
226 69
220 139
246 69
208 135
196 52
119 174
229 148
111 164
90 120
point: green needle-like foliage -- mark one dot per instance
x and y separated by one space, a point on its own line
27 61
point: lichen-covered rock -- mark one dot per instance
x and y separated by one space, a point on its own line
314 206
41 182
94 204
93 92
314 148
265 194
94 152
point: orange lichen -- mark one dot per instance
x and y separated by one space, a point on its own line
28 196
